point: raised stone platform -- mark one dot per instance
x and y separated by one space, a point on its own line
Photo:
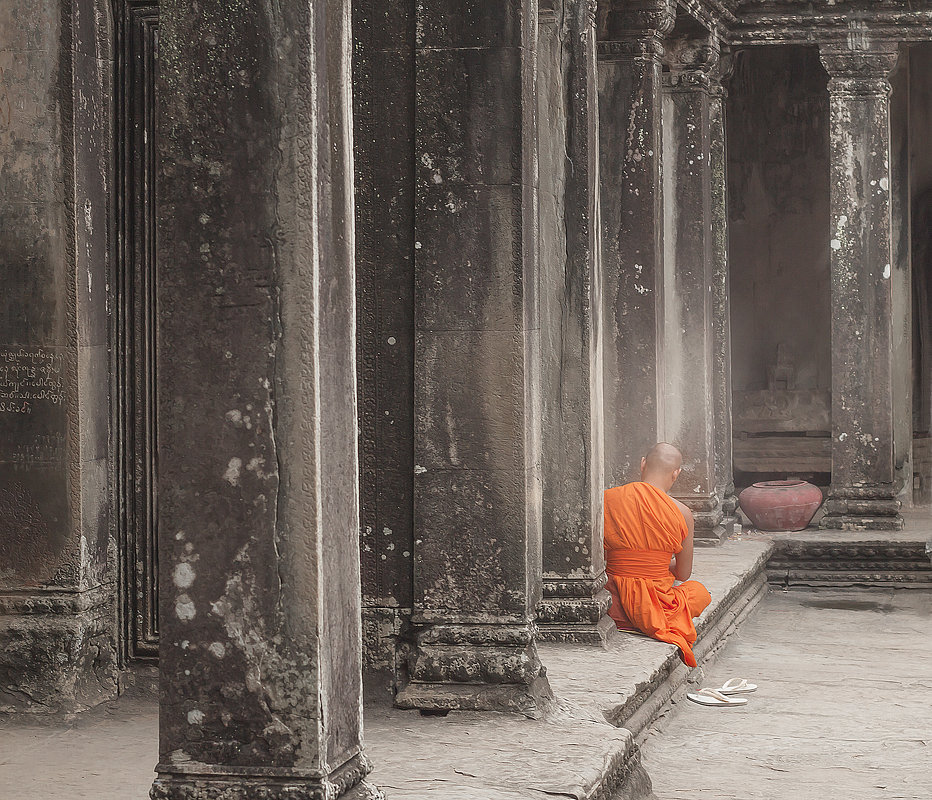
606 698
586 748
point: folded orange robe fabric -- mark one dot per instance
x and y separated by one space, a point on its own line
643 530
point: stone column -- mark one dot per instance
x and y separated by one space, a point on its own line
630 50
863 494
687 323
477 493
57 580
259 563
721 305
575 600
902 313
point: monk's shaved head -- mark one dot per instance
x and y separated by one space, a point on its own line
661 464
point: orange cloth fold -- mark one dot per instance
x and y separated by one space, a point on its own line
644 528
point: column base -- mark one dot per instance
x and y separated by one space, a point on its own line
346 782
575 610
862 508
476 667
709 519
57 651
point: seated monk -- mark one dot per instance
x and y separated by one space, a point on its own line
649 545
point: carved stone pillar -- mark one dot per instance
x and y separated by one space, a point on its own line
477 490
630 50
259 652
575 600
863 492
687 321
720 299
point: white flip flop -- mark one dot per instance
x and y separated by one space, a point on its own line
713 697
737 686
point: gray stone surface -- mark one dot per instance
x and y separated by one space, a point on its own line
575 600
687 332
720 299
259 658
616 683
629 78
477 486
384 167
57 648
863 490
841 709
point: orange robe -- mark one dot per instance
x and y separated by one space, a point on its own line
643 529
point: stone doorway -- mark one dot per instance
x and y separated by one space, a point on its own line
778 166
134 329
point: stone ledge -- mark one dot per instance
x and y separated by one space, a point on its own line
587 747
631 682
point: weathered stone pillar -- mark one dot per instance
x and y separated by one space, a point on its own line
863 494
902 313
687 330
720 295
630 50
477 494
57 648
259 561
575 600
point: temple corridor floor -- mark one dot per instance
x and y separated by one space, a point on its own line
842 708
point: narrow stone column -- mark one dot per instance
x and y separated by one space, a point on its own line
575 600
863 494
687 408
630 50
477 492
721 305
259 563
902 315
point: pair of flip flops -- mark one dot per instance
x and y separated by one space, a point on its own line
725 695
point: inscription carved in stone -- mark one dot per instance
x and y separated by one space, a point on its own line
29 376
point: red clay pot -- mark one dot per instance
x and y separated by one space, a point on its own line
780 505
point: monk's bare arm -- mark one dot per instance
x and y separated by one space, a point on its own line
682 566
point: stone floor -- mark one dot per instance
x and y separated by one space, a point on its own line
842 708
109 753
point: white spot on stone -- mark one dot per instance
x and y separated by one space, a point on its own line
417 245
842 437
836 244
203 219
419 470
217 649
180 536
884 184
391 340
183 575
235 416
886 271
184 609
195 717
232 474
184 644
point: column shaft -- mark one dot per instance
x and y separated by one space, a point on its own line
632 219
57 579
574 601
863 491
259 581
687 409
477 493
720 297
